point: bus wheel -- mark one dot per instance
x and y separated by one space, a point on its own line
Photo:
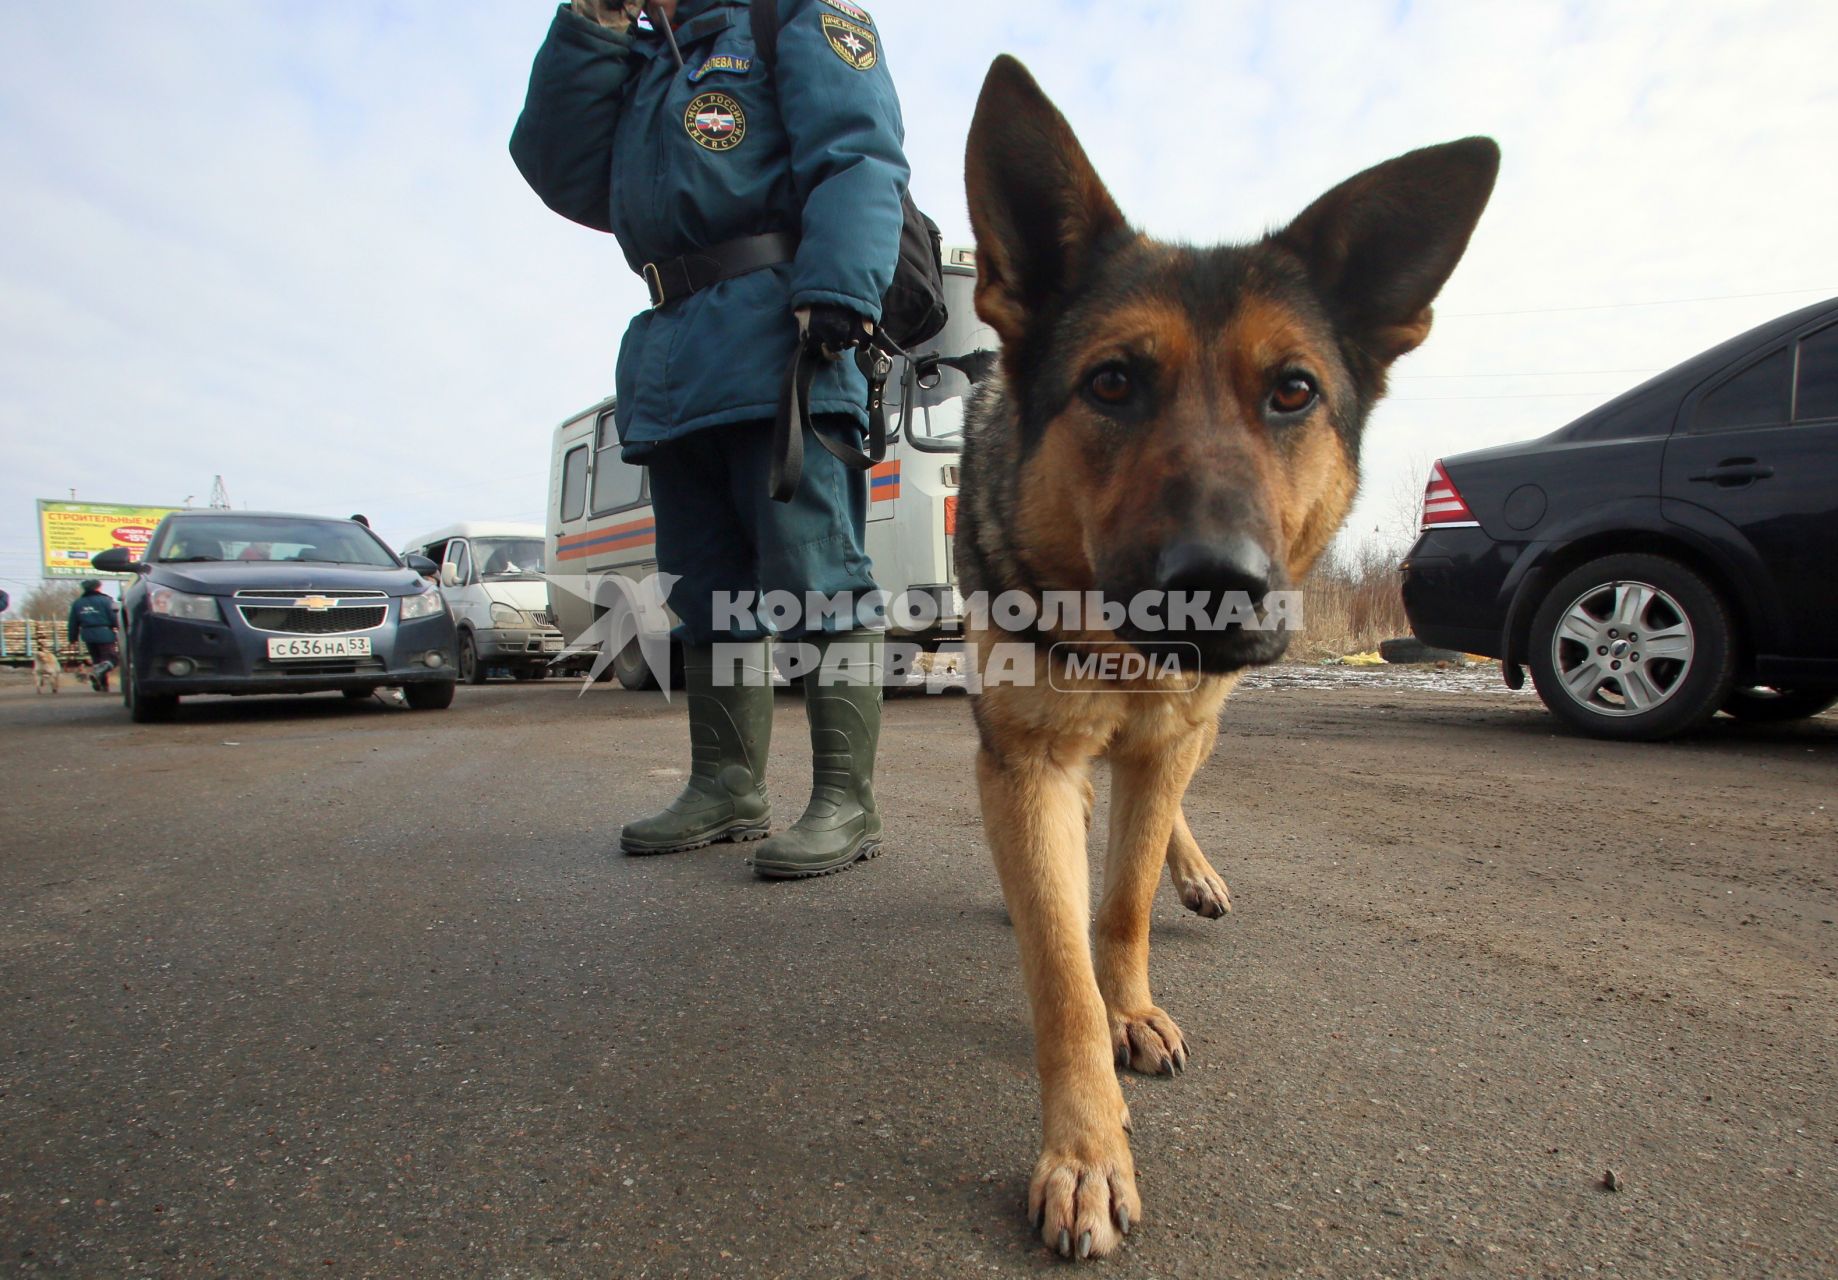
630 669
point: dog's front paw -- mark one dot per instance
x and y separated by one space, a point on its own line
1083 1200
1148 1042
1203 892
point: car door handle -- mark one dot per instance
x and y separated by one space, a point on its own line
1735 471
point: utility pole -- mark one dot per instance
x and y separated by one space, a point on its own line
220 496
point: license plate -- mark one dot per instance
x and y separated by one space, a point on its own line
282 650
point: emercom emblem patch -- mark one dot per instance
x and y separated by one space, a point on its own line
852 42
716 122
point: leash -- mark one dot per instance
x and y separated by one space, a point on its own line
874 357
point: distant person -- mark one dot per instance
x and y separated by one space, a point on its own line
93 620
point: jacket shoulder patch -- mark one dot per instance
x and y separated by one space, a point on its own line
851 11
852 42
721 62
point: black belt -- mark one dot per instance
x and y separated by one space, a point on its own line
680 277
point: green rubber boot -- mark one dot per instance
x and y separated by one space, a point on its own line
842 698
730 728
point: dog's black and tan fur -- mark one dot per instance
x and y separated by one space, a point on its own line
1165 418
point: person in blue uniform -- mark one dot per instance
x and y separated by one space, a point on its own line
93 620
761 204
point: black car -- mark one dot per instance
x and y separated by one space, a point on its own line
240 603
1665 556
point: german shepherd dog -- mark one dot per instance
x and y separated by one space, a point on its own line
1164 419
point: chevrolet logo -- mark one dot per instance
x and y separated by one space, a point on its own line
316 604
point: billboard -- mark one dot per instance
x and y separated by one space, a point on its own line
69 533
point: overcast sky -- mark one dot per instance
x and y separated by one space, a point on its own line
285 244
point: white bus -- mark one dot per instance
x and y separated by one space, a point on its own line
599 511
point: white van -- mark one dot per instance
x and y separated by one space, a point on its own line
600 505
491 578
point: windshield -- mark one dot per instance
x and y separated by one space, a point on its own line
965 339
500 559
201 539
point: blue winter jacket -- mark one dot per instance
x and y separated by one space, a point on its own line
92 619
615 136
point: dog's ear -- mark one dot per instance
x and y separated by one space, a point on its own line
1380 246
1039 209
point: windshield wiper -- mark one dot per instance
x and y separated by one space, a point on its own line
192 560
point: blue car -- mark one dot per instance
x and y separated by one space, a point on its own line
242 602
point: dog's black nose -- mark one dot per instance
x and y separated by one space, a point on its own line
1237 563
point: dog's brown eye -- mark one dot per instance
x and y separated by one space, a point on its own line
1111 386
1293 394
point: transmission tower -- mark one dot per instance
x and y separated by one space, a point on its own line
220 496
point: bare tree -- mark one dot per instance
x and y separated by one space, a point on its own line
50 601
1404 512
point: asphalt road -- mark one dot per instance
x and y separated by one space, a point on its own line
299 988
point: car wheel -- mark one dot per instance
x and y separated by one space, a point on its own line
429 697
630 669
143 709
1762 705
1635 647
471 670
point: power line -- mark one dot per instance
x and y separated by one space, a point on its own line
422 493
1530 395
1616 306
1554 373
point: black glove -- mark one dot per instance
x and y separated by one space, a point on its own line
833 330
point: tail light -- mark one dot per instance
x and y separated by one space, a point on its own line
1443 504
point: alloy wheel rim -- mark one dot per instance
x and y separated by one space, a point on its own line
1623 648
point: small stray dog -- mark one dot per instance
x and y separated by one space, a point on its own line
47 671
1166 420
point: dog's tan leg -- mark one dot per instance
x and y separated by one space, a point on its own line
1147 782
1202 889
1082 1197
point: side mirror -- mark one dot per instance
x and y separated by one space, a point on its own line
449 575
421 565
115 560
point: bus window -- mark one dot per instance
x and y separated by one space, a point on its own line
574 483
968 342
617 483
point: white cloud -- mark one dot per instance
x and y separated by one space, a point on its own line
287 245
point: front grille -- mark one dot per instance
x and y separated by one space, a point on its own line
314 622
320 667
301 595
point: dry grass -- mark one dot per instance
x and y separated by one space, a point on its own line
1351 602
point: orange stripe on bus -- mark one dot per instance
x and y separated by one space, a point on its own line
591 535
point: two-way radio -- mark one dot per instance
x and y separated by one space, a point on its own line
660 23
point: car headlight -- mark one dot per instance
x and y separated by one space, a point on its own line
424 604
177 604
502 615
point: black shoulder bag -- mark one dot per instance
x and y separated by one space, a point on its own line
912 311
